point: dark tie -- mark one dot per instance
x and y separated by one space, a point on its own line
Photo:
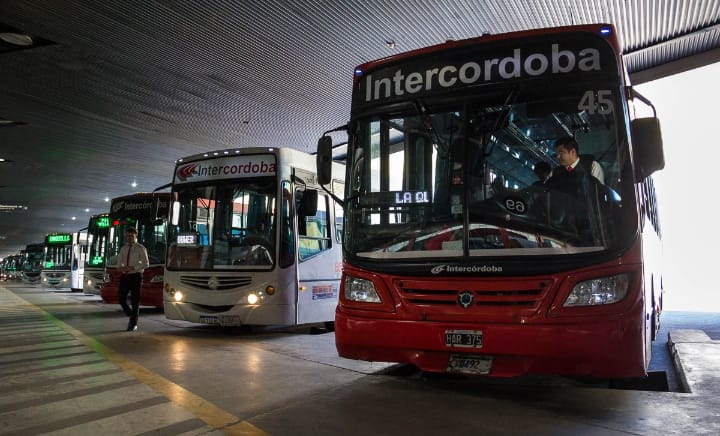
127 261
569 168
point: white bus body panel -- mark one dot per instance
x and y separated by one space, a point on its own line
319 286
276 309
55 278
93 280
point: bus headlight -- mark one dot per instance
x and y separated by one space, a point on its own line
175 294
604 290
252 298
361 290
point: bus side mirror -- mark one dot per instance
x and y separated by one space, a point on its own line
647 147
309 203
324 160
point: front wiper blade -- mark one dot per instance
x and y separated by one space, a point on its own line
427 122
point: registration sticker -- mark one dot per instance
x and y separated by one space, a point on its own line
469 364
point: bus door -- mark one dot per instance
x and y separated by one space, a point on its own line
317 257
77 267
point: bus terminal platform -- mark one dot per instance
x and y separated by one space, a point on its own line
68 367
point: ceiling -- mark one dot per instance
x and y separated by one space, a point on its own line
114 91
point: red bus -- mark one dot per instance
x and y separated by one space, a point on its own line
148 213
456 258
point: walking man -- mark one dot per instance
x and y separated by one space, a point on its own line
131 262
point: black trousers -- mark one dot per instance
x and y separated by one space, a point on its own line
130 283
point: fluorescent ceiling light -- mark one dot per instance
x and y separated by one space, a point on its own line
16 39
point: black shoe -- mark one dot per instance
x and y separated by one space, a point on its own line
132 327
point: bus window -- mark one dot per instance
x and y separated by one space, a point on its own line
287 232
313 230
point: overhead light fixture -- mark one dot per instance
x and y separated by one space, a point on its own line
19 39
11 207
134 183
14 39
390 44
4 122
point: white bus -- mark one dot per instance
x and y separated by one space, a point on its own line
32 266
253 239
97 239
77 263
63 262
57 260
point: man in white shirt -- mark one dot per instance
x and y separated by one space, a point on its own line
568 156
131 262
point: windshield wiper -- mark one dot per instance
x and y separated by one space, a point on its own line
427 122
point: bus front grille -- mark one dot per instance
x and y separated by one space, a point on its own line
215 282
464 295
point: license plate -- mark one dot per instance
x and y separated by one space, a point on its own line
213 320
469 364
464 338
222 320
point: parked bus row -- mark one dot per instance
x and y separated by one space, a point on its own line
447 252
245 236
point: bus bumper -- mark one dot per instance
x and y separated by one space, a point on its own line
607 348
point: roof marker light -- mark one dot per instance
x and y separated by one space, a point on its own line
605 30
358 72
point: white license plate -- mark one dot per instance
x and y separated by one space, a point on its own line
222 320
463 338
469 364
213 320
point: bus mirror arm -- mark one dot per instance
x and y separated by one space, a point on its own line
633 94
647 141
337 199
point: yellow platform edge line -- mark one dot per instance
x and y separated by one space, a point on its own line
201 408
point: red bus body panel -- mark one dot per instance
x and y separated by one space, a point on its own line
150 294
525 331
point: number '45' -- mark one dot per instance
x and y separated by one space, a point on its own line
596 102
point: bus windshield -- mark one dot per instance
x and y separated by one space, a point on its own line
34 255
98 230
224 225
58 256
455 177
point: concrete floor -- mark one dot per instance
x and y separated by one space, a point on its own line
68 367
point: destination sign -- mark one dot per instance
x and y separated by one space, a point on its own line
226 168
62 238
484 63
103 222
